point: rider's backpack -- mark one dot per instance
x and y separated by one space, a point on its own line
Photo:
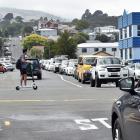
18 64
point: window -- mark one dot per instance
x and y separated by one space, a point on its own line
130 31
104 49
114 49
125 32
96 49
121 34
121 53
84 50
126 54
138 30
130 53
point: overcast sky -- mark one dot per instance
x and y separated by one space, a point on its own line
74 8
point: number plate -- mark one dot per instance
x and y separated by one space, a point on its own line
114 73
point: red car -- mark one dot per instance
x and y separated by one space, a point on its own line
2 68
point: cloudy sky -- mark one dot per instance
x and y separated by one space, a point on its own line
74 8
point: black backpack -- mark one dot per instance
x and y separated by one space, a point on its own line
18 64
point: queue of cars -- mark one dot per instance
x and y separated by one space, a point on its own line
6 65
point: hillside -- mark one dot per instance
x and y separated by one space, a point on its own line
27 14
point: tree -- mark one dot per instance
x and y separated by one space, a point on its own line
82 24
19 19
86 15
36 53
27 30
34 40
102 38
66 45
8 16
1 45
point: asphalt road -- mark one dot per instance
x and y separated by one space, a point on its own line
61 109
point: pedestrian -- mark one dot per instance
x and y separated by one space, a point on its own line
23 68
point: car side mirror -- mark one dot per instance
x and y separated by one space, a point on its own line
127 84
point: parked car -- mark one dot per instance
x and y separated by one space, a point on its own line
56 66
107 69
126 112
2 68
5 59
36 68
64 64
51 65
8 66
71 67
134 70
47 64
85 63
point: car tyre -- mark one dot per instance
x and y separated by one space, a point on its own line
97 81
117 132
92 82
117 84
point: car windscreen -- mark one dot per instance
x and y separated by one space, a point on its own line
106 61
89 61
58 61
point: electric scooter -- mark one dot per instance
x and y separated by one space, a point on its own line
34 86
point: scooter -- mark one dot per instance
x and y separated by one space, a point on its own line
34 86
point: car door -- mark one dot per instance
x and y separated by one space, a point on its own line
132 117
132 70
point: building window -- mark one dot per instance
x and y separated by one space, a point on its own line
138 29
126 54
125 32
104 49
130 53
121 34
130 31
84 50
114 49
121 53
96 49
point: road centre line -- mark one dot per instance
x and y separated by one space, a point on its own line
69 81
66 100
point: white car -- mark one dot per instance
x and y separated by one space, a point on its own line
64 65
71 68
8 66
134 70
47 64
5 60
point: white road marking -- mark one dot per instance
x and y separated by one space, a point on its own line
66 100
85 124
69 81
88 124
102 121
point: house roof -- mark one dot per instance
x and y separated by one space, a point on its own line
98 45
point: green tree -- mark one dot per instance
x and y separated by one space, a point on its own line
66 45
102 38
34 40
1 45
27 30
36 53
82 24
50 50
19 19
8 16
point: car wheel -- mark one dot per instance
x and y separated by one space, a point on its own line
97 81
83 80
92 82
39 77
79 80
117 133
117 84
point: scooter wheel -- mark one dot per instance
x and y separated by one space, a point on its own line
17 88
35 87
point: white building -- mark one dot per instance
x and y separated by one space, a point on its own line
47 32
91 48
